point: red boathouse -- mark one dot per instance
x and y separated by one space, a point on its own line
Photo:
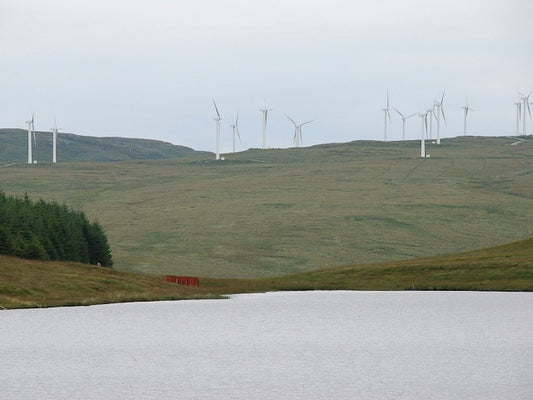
184 280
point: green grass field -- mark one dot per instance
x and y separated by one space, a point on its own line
263 214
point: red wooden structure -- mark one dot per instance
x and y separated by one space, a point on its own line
184 280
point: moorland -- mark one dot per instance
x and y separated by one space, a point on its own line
265 213
269 214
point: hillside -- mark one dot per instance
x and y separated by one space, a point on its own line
500 268
266 213
70 147
28 283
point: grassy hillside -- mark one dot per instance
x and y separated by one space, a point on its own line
30 283
70 147
25 283
501 268
265 213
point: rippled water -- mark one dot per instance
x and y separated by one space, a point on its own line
306 345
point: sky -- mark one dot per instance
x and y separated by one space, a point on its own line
150 68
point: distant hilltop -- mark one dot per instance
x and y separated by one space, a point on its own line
71 147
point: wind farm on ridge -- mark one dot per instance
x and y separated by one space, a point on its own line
434 113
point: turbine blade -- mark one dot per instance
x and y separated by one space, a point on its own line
216 108
412 115
237 119
443 116
291 119
308 122
401 115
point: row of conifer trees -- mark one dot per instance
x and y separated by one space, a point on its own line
50 231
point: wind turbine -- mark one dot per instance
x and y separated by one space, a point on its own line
424 120
403 121
54 141
440 111
298 131
386 114
31 131
235 128
265 117
518 114
218 118
466 108
525 99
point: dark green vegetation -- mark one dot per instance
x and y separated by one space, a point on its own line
278 212
25 283
70 147
50 231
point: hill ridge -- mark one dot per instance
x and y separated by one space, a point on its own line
74 147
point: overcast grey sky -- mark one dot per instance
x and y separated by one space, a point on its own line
150 68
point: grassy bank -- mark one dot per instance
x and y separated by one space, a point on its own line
29 283
26 283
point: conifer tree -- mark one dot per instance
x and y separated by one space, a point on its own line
49 231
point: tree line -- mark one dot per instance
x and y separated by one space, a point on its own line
50 231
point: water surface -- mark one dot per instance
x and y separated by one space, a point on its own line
290 345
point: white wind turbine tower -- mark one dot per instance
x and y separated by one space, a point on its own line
403 121
31 131
424 120
525 99
386 112
54 141
218 118
235 128
265 118
518 114
430 112
439 106
466 109
298 131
